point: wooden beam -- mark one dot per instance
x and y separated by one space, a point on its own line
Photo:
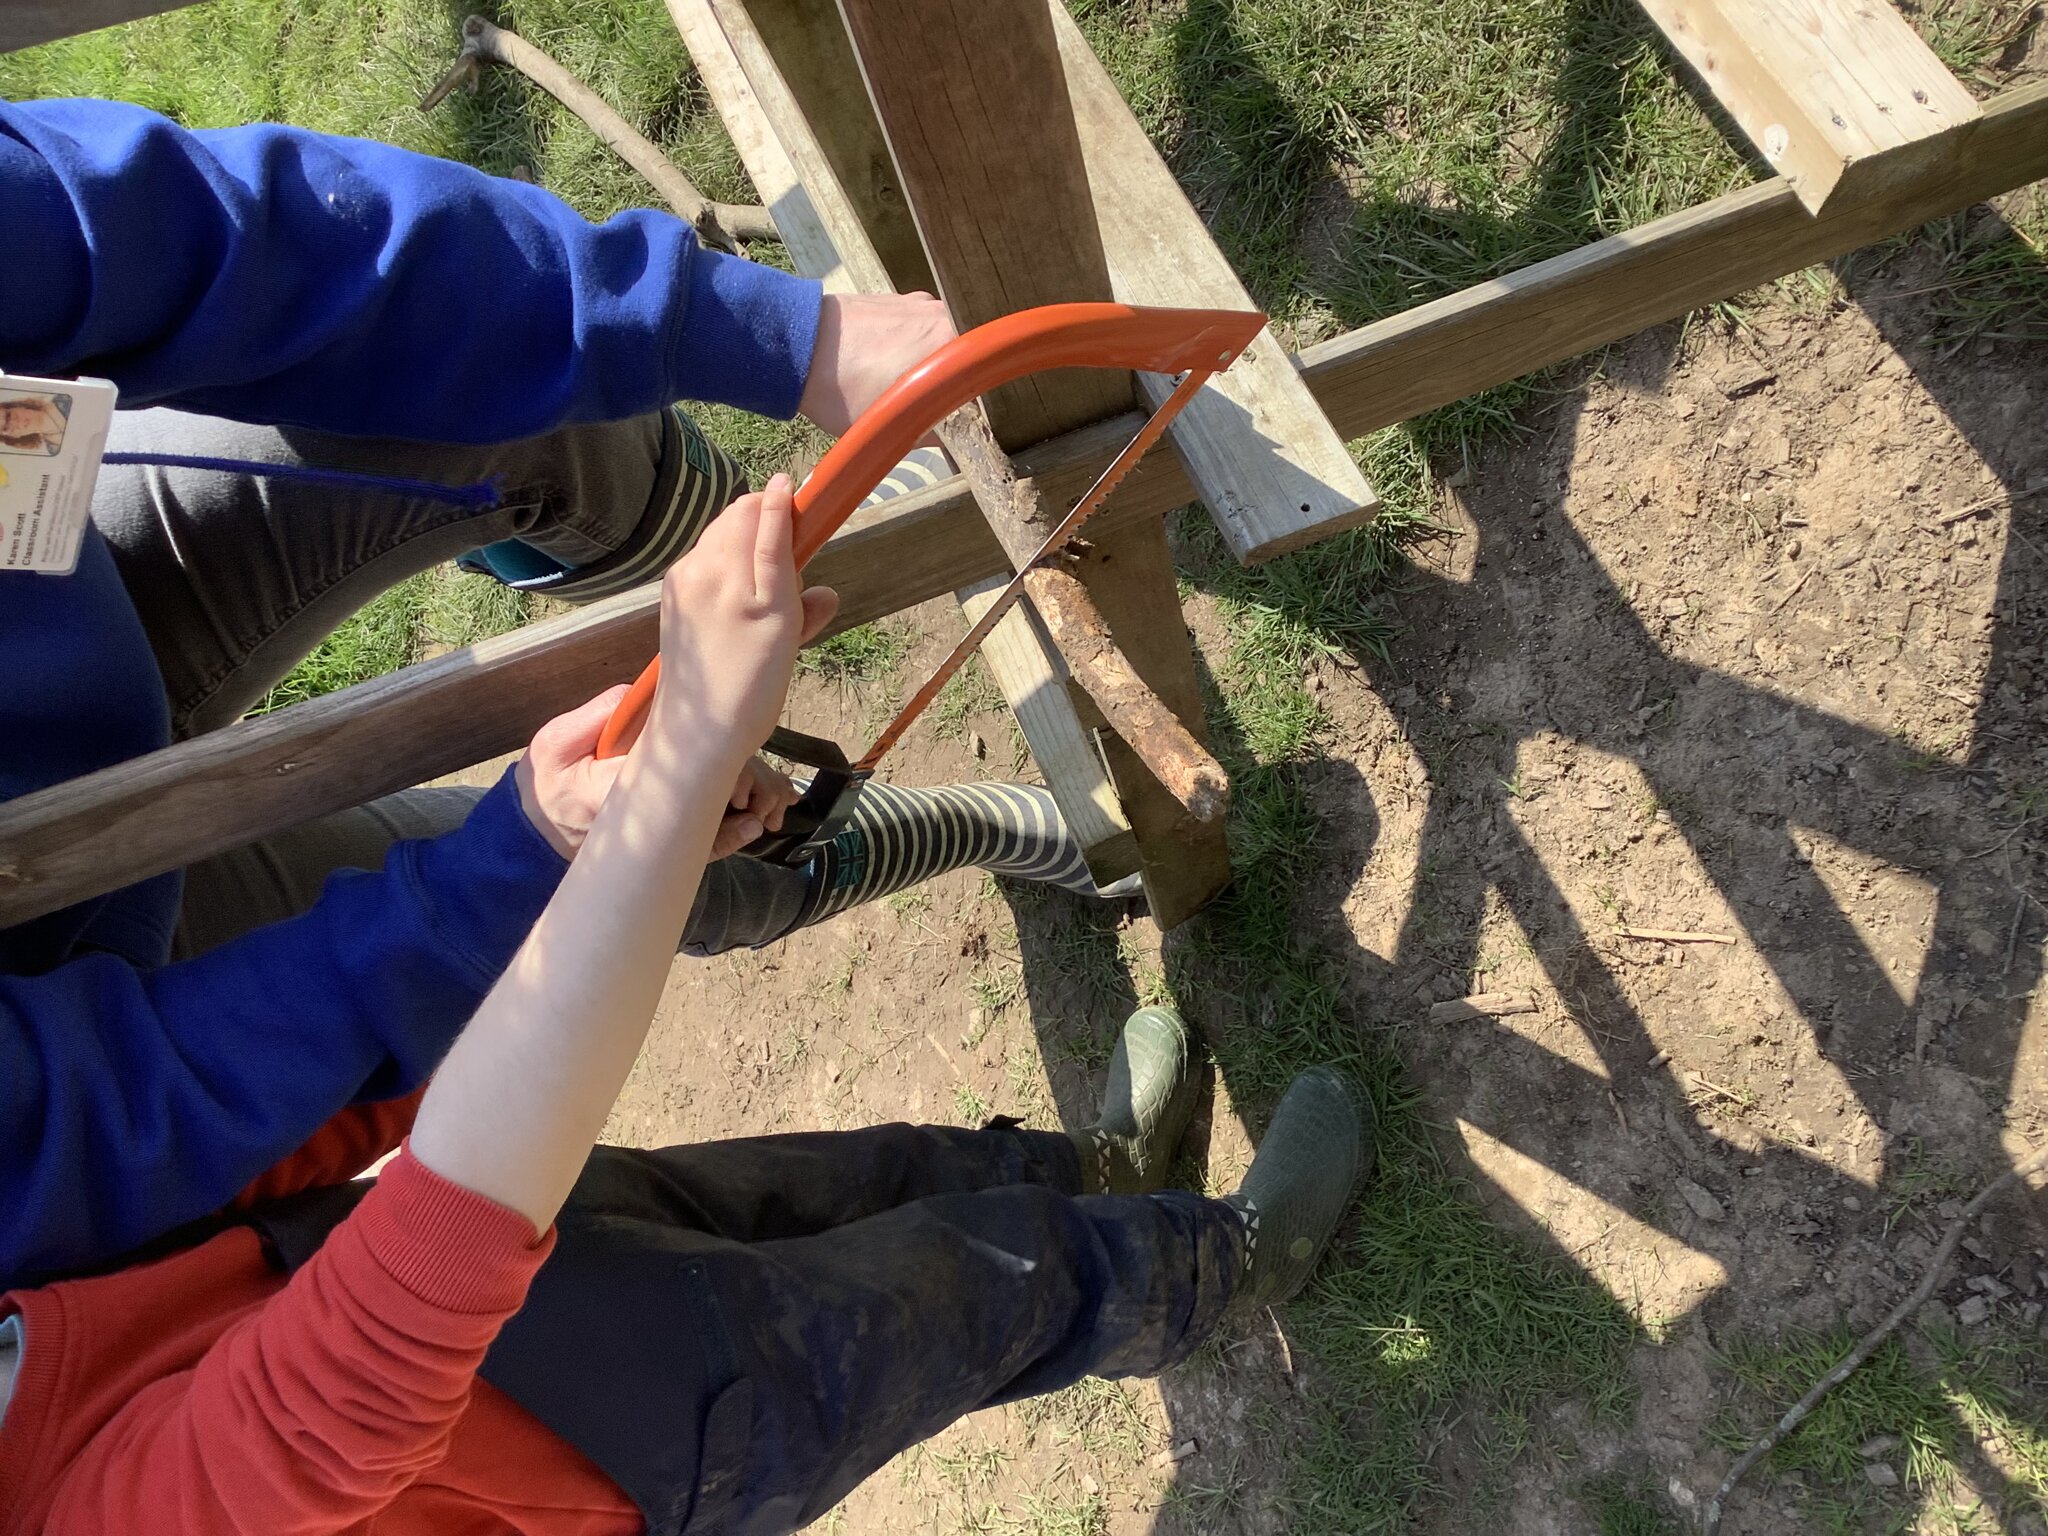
220 790
1264 458
973 100
57 846
859 237
25 23
1829 91
1455 346
815 60
789 168
987 148
1034 680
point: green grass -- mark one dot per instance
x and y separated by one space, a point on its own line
1979 1387
440 608
1968 35
1624 1506
969 692
1420 146
867 653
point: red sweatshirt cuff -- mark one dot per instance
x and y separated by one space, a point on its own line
449 1246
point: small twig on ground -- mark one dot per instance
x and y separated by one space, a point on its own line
1280 1340
1701 1080
1988 503
1675 935
1804 576
2012 935
1481 1005
719 225
947 1056
1946 693
1999 847
1710 1517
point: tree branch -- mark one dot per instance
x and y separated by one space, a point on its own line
720 225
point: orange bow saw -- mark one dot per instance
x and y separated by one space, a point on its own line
1196 343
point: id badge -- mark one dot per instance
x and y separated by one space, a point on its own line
52 434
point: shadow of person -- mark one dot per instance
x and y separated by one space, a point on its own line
1746 784
1540 659
1606 1129
1078 988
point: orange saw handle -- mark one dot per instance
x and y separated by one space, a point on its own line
1012 347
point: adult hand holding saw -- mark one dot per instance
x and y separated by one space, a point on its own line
866 342
730 632
562 785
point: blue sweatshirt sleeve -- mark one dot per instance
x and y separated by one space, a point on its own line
279 276
135 1100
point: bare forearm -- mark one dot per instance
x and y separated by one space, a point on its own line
513 1111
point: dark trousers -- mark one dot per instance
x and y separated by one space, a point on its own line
237 577
739 1333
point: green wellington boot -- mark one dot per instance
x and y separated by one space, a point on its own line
1300 1181
1145 1107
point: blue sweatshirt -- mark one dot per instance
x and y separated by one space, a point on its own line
280 276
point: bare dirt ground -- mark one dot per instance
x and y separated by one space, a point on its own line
1744 638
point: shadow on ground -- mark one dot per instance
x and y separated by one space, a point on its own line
1537 657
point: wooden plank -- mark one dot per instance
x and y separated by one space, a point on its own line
1264 458
1029 670
974 103
789 170
1825 89
25 23
815 60
1439 352
222 789
843 244
988 151
55 846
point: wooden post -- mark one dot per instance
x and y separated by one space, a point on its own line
973 102
814 57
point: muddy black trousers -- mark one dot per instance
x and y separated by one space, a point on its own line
738 1333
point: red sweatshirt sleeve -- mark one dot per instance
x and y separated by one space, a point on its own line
324 1405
